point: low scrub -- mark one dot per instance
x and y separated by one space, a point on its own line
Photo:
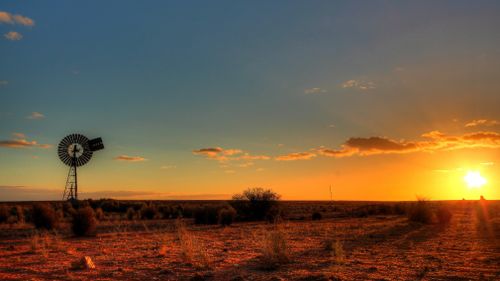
275 249
84 222
443 215
44 216
227 216
4 213
316 216
421 212
149 212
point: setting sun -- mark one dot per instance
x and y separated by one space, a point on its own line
474 179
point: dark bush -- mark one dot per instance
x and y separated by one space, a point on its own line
226 216
99 214
4 213
165 211
84 222
421 212
316 216
44 216
399 209
443 215
149 212
206 214
254 203
131 213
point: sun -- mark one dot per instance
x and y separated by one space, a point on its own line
474 179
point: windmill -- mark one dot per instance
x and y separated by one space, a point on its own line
76 150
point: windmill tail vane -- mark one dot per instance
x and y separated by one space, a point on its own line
76 150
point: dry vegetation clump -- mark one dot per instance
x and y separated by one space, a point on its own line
42 243
99 214
206 214
226 216
421 212
443 214
255 204
4 213
192 250
275 249
336 250
84 222
44 216
131 213
149 212
316 216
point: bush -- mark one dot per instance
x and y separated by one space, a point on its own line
316 216
226 216
206 215
44 216
19 213
421 212
148 212
275 249
84 222
131 214
254 203
4 213
99 214
443 215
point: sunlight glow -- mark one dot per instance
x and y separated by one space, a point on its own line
474 179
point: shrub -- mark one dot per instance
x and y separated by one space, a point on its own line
99 214
443 215
336 250
84 222
4 213
206 215
421 212
165 211
254 203
44 216
148 212
317 216
131 214
275 249
226 216
275 214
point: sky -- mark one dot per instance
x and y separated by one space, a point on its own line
379 100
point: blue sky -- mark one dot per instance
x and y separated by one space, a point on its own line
161 79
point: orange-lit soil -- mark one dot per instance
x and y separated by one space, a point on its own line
375 248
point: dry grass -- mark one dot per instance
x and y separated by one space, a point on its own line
44 242
192 250
275 248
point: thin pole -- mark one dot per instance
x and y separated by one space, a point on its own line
331 195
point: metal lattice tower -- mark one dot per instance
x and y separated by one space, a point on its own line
76 150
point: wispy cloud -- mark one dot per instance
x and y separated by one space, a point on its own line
127 158
9 18
13 36
482 122
223 155
296 156
35 116
358 84
310 91
19 141
168 167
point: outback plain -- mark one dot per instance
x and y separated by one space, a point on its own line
214 240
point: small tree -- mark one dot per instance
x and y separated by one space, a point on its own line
226 216
84 222
255 203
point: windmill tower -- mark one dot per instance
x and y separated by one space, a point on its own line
76 150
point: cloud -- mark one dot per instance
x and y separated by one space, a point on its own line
482 122
223 155
168 167
35 115
13 36
4 82
358 84
314 91
19 141
6 17
130 158
296 156
434 141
